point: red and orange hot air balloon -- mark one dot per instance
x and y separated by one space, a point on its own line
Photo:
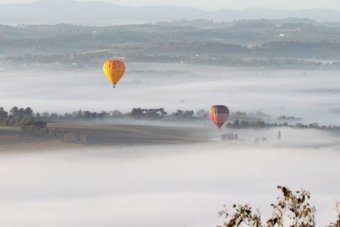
219 114
114 71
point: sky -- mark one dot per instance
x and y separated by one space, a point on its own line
224 4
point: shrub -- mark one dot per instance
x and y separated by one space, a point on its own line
291 209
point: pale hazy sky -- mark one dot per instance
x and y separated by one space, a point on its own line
224 4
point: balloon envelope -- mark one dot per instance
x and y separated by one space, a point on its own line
113 70
219 114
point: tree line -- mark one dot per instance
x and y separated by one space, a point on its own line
16 116
25 116
239 120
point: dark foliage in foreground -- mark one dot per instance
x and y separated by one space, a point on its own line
291 209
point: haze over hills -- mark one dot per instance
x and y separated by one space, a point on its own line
101 13
292 43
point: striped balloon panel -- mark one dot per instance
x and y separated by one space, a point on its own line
219 115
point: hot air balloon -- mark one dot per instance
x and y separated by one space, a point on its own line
113 70
219 115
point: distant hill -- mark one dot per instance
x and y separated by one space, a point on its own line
101 13
287 43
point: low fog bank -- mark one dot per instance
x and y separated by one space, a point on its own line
178 185
284 138
311 95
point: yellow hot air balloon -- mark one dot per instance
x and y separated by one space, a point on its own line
113 70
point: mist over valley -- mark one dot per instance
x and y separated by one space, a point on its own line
109 115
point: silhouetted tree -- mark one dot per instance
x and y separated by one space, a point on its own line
3 116
137 112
